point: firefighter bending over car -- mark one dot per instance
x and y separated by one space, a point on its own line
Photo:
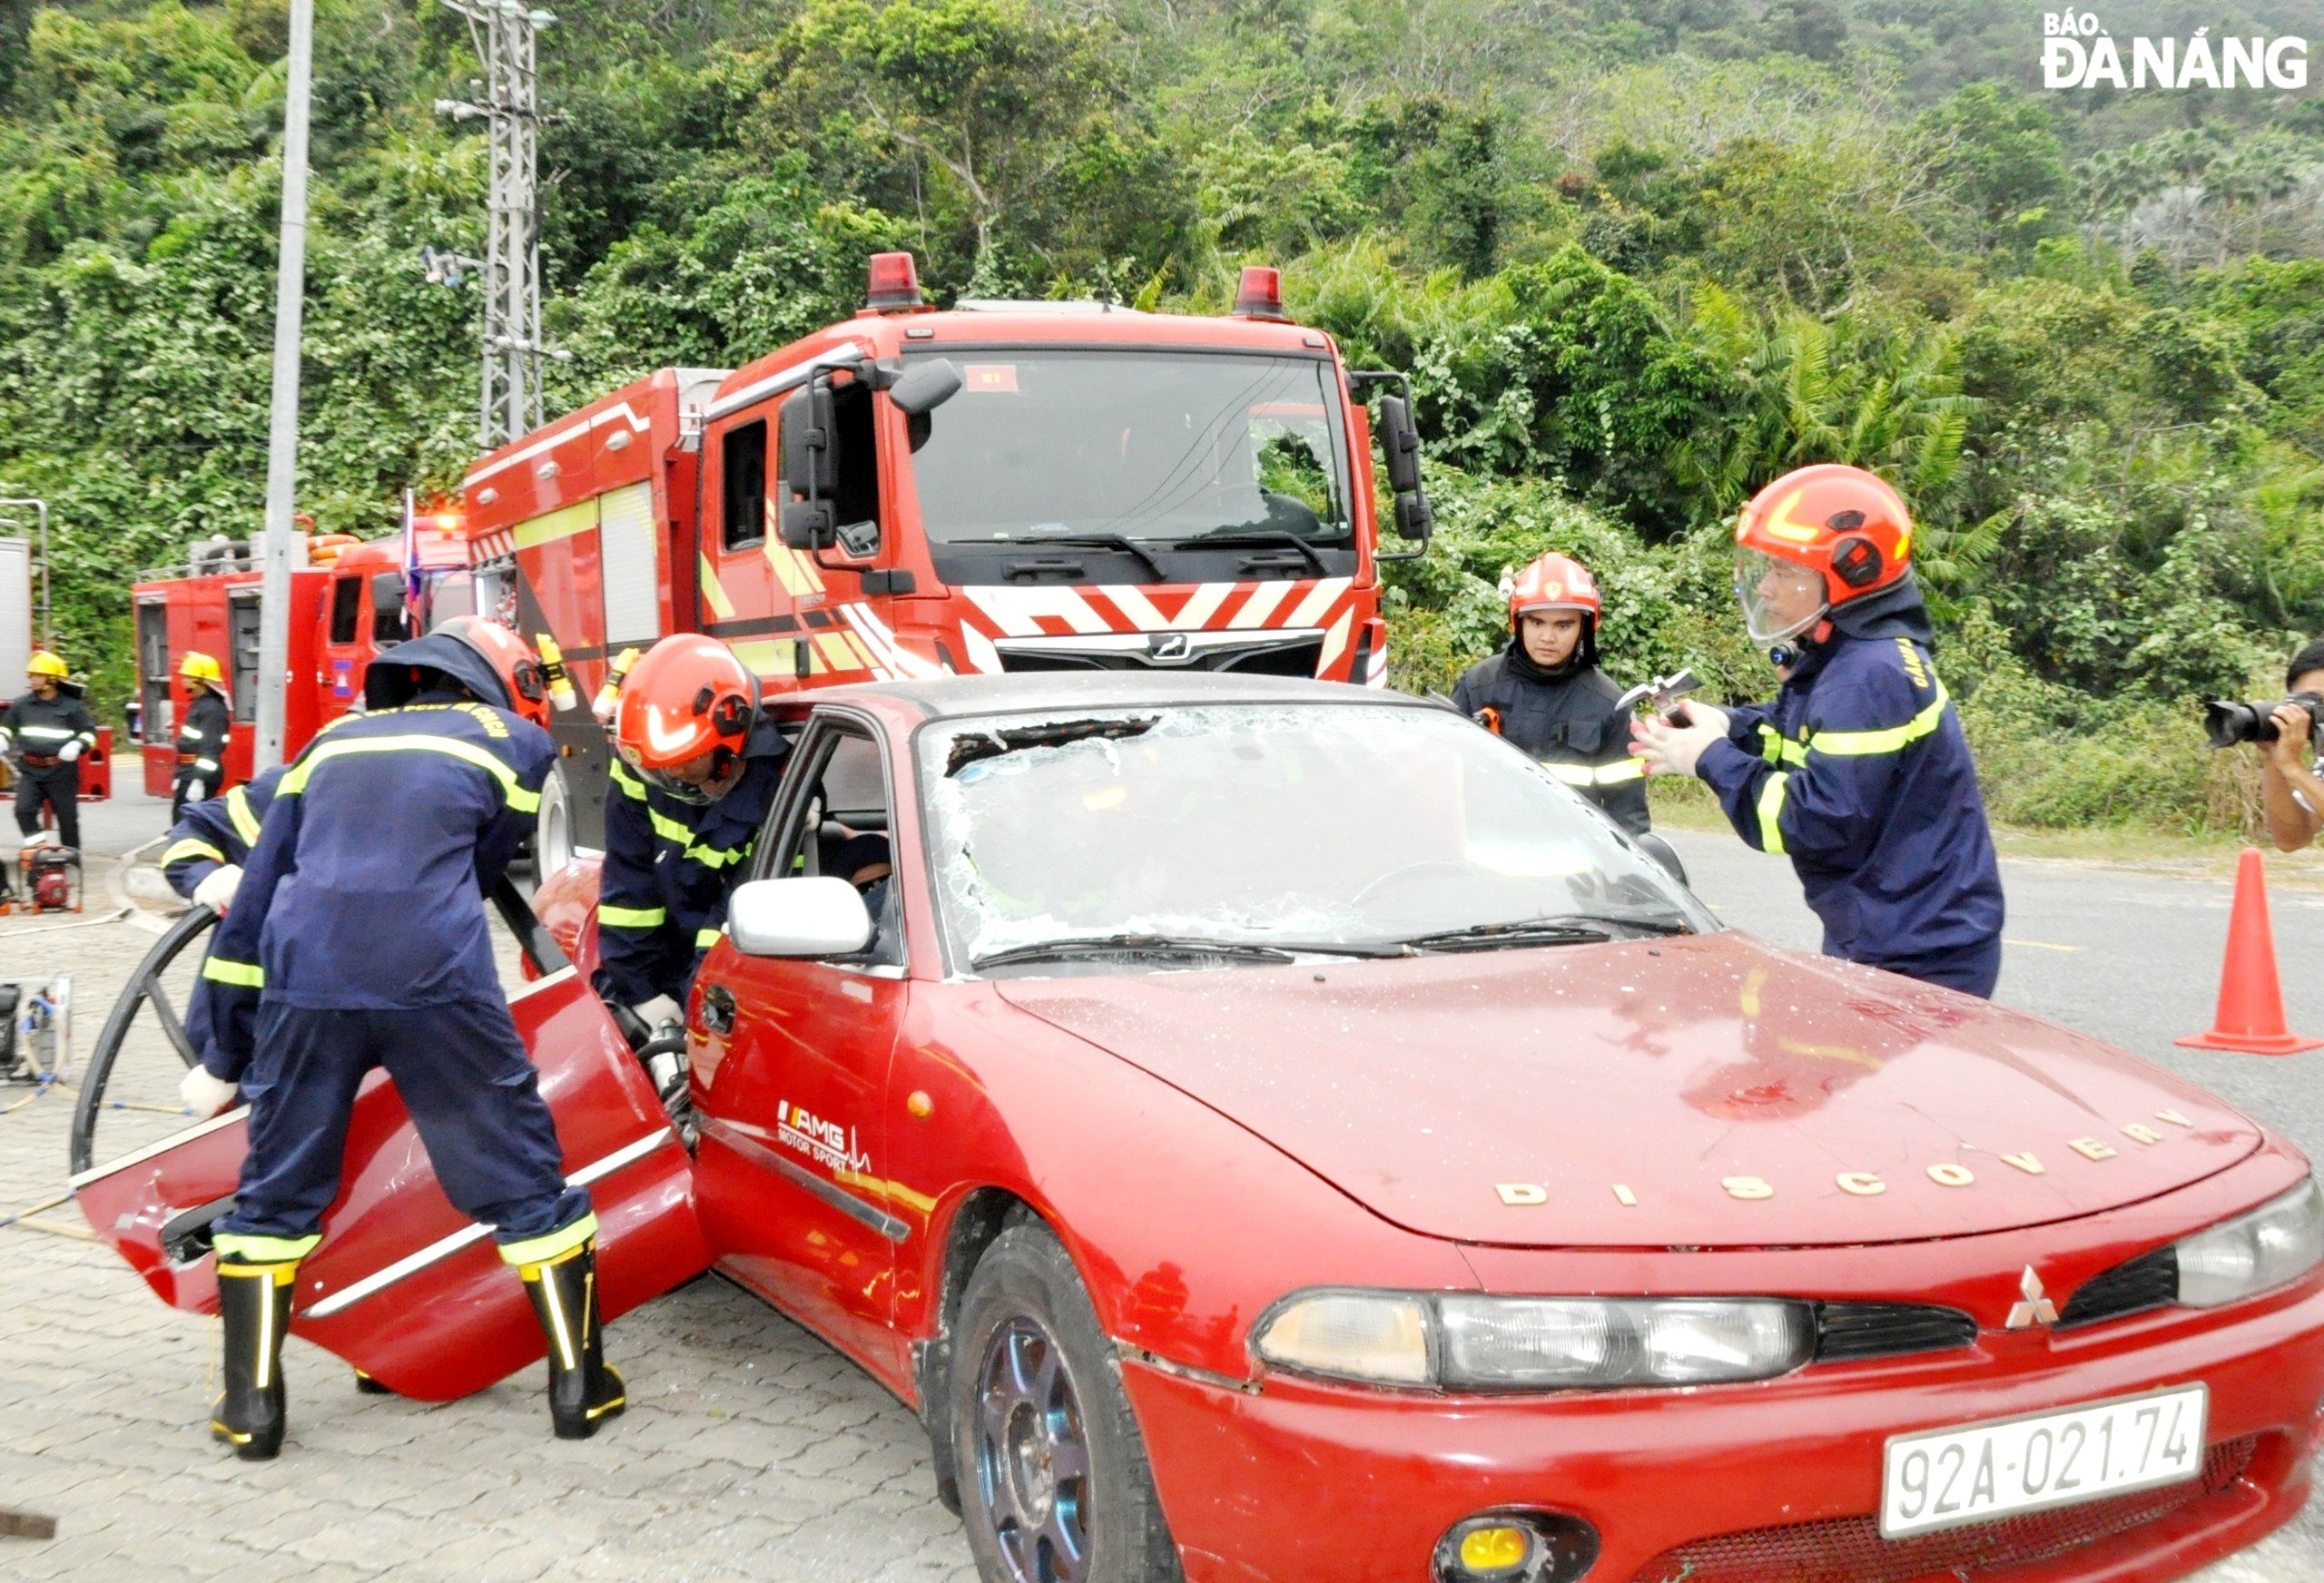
48 729
201 735
694 774
1858 771
357 938
1545 693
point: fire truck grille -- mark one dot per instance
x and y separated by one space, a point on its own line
1257 659
1848 1331
2149 1281
1850 1549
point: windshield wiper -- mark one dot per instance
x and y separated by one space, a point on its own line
1572 929
1171 945
1103 541
1253 537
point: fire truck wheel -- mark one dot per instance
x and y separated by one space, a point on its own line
1055 1487
553 837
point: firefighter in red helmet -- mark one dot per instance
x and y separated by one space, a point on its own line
694 774
1545 693
1858 771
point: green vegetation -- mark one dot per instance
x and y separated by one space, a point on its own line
1639 256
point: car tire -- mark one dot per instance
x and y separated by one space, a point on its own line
553 835
1054 1482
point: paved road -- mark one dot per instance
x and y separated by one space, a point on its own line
2133 958
753 1451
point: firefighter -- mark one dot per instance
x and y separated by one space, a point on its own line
1545 693
48 729
202 735
1858 771
357 938
695 772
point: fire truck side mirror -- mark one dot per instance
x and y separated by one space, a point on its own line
810 468
926 387
1399 443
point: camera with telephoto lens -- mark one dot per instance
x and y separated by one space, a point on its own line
2228 723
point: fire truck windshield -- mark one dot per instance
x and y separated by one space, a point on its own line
1159 446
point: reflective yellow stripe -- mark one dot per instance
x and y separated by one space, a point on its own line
246 975
719 857
631 786
519 799
1894 739
669 829
631 917
544 1249
1776 749
704 939
236 1247
1772 796
238 809
682 837
1595 774
190 848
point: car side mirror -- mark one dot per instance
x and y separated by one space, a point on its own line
810 468
1663 853
813 916
926 387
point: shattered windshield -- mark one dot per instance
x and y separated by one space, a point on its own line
1262 832
1158 446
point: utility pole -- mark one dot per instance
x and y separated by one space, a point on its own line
282 429
502 34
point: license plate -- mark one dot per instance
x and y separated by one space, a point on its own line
1945 1477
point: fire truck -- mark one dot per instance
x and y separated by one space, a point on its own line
349 600
994 487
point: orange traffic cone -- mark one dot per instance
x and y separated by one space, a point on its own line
2251 1015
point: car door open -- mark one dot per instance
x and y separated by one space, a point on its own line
403 1286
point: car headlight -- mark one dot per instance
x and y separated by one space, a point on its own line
2277 1243
1466 1343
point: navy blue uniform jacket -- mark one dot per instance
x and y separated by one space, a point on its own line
1571 726
670 868
1859 773
217 832
365 890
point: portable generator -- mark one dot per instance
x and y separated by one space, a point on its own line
35 1030
48 880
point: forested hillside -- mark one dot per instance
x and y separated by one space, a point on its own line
1639 257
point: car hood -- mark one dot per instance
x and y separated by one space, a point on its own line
1708 1091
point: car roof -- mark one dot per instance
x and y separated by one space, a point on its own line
943 697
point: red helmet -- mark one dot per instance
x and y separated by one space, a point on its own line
1844 528
687 698
512 659
1554 581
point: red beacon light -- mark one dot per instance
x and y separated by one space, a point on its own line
894 283
1259 294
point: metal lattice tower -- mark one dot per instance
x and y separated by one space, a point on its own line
502 32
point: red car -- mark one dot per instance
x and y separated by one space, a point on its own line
1273 1131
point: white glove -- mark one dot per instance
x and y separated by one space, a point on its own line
204 1095
659 1012
1674 750
216 891
195 791
70 751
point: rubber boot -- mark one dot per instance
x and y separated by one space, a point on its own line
255 1301
583 1391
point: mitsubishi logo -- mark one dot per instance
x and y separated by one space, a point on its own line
2035 1307
1169 648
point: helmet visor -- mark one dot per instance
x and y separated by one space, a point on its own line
1780 598
723 776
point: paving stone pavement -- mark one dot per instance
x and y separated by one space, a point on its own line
749 1450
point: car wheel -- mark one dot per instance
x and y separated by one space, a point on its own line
553 836
1054 1482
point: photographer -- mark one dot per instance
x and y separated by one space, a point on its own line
2291 778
